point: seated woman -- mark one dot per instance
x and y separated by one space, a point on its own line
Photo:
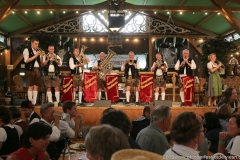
9 134
230 97
35 142
233 146
16 118
224 113
187 132
213 127
104 140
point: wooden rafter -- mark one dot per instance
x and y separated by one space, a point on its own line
235 1
180 4
205 19
228 15
104 5
183 24
44 24
56 13
6 9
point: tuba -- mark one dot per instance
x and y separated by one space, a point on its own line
107 66
80 58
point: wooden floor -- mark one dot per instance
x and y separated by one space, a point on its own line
92 115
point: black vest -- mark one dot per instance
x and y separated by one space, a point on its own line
75 70
135 72
34 115
56 68
189 71
12 142
29 66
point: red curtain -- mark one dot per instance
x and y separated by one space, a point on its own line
67 93
90 86
146 87
188 85
112 87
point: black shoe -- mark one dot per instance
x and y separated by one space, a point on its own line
81 104
137 103
59 104
182 104
127 103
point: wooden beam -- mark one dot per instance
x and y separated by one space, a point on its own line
227 32
235 1
183 24
180 4
6 9
44 24
24 18
205 19
49 3
228 15
104 5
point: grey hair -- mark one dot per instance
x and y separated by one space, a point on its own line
131 52
159 113
185 50
45 107
102 53
159 54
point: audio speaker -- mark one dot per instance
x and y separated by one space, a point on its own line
163 102
102 103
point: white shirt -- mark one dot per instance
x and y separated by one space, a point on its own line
159 71
193 66
129 71
67 128
26 56
211 65
51 66
72 65
3 133
54 137
182 150
235 144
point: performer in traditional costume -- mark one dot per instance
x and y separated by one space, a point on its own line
159 68
185 67
214 81
131 73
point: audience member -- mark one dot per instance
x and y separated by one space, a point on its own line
67 126
213 128
104 140
230 97
110 109
51 117
187 133
142 122
224 113
233 146
152 138
120 120
35 142
9 134
16 118
27 110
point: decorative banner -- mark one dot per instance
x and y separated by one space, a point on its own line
90 86
146 87
188 85
67 93
112 87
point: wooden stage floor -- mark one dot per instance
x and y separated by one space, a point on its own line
92 115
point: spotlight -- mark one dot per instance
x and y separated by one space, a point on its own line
25 12
193 12
168 12
127 39
13 12
219 13
237 53
206 13
155 12
38 12
231 55
51 12
84 39
76 11
75 39
63 11
180 12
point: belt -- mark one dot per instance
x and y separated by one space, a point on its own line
51 75
35 67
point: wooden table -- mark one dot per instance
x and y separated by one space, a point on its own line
80 155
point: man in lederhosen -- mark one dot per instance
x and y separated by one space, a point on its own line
101 82
76 64
51 63
185 67
32 64
160 74
131 73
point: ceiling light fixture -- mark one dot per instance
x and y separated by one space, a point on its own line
76 11
193 12
51 12
25 12
155 12
168 12
13 12
64 12
180 12
219 13
206 13
38 12
237 53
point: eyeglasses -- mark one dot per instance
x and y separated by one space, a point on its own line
204 130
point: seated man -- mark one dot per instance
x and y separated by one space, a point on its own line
120 120
142 122
67 126
27 110
152 138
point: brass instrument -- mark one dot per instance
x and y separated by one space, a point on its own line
106 65
130 61
161 65
80 58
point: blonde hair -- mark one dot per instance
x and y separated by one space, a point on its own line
210 55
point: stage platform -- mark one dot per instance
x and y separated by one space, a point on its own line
92 114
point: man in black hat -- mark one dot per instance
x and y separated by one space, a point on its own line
27 110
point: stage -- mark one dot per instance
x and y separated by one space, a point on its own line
92 114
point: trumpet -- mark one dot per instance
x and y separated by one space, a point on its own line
161 65
130 61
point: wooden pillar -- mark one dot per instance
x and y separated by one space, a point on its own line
78 42
150 52
7 62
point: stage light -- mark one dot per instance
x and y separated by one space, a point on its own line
206 13
92 39
75 39
13 12
76 11
237 53
168 12
219 13
135 39
84 39
26 39
201 40
231 55
155 12
38 12
193 12
101 39
25 12
51 12
180 12
127 39
64 12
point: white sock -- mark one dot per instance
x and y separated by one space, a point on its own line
74 96
99 95
30 95
35 93
127 95
57 95
80 97
49 96
182 96
163 96
156 96
137 96
106 96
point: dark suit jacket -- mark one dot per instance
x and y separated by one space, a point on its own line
34 115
